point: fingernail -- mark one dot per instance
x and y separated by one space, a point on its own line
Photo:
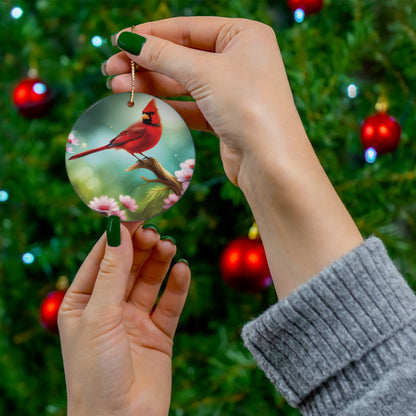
183 261
113 231
108 82
169 238
103 69
131 42
114 39
150 227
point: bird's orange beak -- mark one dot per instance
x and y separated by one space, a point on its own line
145 116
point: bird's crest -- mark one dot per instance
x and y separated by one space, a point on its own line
151 114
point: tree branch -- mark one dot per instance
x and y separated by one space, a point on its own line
163 176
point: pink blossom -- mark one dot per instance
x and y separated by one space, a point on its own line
128 202
69 149
121 214
184 175
171 200
72 139
189 163
104 204
185 186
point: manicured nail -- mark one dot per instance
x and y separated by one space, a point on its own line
108 82
114 39
113 231
131 42
150 227
183 261
103 69
169 238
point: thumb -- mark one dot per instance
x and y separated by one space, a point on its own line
180 63
110 286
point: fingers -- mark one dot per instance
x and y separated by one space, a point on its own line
209 34
81 288
169 309
119 63
144 240
133 226
193 32
161 56
84 280
113 274
149 83
146 287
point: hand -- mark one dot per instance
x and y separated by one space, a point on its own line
234 71
117 352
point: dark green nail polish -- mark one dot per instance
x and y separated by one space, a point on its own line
114 39
108 82
150 227
131 42
113 231
104 69
183 261
168 237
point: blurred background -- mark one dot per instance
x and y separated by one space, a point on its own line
347 61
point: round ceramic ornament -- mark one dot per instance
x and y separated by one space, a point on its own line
131 160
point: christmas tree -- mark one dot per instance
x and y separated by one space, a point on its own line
341 60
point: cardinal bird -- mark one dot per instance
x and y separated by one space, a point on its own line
137 138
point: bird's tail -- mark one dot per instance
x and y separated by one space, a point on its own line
88 152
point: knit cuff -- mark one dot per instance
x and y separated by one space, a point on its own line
332 322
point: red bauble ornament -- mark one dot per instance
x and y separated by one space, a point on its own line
32 98
49 309
244 266
308 6
381 132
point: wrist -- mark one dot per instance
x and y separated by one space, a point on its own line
273 155
302 222
274 138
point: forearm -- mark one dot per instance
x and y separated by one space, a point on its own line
303 223
343 343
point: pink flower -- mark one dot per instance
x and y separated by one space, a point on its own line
69 149
103 204
184 175
185 186
72 139
128 202
171 200
121 214
189 163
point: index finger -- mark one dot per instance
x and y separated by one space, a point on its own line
197 32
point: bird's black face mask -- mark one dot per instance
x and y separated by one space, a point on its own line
147 118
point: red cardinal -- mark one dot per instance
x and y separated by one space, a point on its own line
137 138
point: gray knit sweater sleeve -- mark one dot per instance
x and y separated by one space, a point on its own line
345 342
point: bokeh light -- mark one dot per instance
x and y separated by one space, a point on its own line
39 88
97 41
370 155
28 258
16 12
4 195
352 91
299 15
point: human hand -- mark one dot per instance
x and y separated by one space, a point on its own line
234 71
117 352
